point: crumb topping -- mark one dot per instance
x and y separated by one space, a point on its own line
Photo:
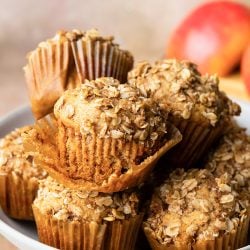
232 156
67 204
192 206
111 109
14 160
179 85
74 35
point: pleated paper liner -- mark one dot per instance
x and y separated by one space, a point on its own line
17 195
76 154
77 235
233 240
197 140
49 72
98 57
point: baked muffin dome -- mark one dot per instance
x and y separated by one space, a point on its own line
73 219
196 105
117 126
66 60
180 87
232 156
109 137
196 209
63 203
19 176
109 109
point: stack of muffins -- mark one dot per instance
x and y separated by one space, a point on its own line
101 128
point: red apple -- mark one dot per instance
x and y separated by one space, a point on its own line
213 36
245 68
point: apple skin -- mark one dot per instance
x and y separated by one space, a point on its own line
213 36
245 68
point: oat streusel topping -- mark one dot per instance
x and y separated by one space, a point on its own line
14 160
192 206
67 204
75 35
232 156
111 109
179 85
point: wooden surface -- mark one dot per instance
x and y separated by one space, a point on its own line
232 85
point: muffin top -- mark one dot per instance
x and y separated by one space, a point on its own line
76 35
14 160
67 204
110 109
179 86
192 206
232 156
63 36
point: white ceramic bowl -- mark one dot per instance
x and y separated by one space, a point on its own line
23 234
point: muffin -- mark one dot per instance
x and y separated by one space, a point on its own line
109 137
232 156
196 210
72 219
197 107
66 60
19 177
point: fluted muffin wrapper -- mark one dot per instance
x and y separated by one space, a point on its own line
197 139
49 72
17 195
79 235
74 154
60 65
96 58
233 240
